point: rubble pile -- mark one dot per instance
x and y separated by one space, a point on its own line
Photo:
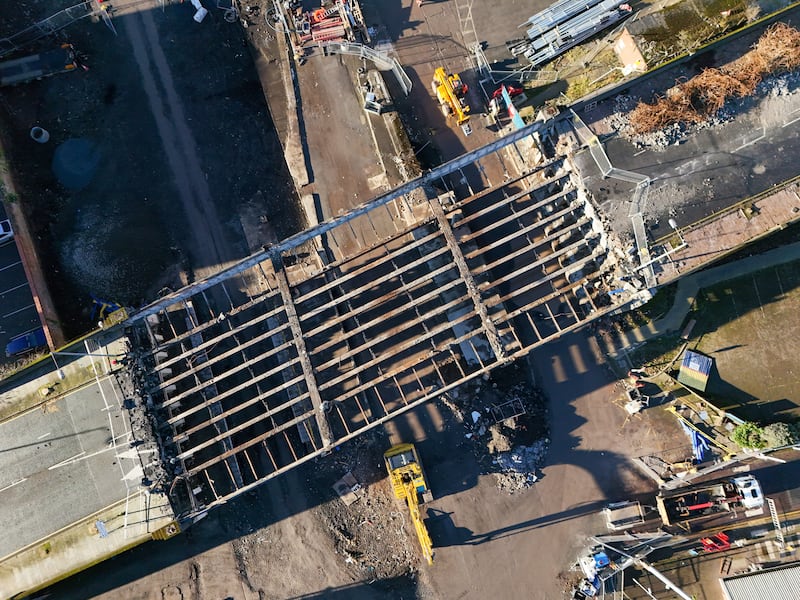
370 529
518 467
699 100
506 418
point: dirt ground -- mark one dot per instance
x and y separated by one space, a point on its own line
157 171
294 538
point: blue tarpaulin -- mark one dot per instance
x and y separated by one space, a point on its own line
700 444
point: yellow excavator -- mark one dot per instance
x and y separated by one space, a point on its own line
409 484
451 93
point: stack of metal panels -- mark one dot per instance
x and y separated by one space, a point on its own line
557 13
565 24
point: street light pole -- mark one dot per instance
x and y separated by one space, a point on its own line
60 371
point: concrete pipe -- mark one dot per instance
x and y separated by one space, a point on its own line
40 135
200 13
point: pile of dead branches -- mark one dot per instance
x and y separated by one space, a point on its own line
695 100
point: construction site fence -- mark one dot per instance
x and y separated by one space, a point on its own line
526 75
53 24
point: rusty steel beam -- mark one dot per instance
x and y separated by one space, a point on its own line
515 234
508 201
302 352
205 325
538 302
374 303
219 357
191 450
407 247
545 279
363 326
508 183
407 345
227 333
466 276
379 280
516 215
388 334
487 267
440 309
260 397
411 364
238 388
252 442
169 401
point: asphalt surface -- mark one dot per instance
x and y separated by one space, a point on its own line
79 438
17 311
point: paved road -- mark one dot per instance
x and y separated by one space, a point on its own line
82 437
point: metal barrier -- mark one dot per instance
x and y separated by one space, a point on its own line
527 74
54 23
381 59
588 138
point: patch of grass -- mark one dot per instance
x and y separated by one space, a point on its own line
656 354
721 304
656 308
577 88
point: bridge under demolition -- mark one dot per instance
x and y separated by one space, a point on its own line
297 349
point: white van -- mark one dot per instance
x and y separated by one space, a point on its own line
6 233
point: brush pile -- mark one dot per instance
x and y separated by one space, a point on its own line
702 96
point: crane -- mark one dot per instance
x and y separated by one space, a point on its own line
450 91
409 484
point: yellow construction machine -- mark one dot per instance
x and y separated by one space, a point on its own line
451 93
409 484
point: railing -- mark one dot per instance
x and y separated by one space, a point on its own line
54 23
381 59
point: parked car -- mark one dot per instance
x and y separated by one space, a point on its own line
6 232
27 342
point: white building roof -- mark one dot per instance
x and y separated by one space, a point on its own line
777 583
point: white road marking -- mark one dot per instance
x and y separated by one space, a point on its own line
10 485
44 435
11 266
751 142
13 289
68 461
18 311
